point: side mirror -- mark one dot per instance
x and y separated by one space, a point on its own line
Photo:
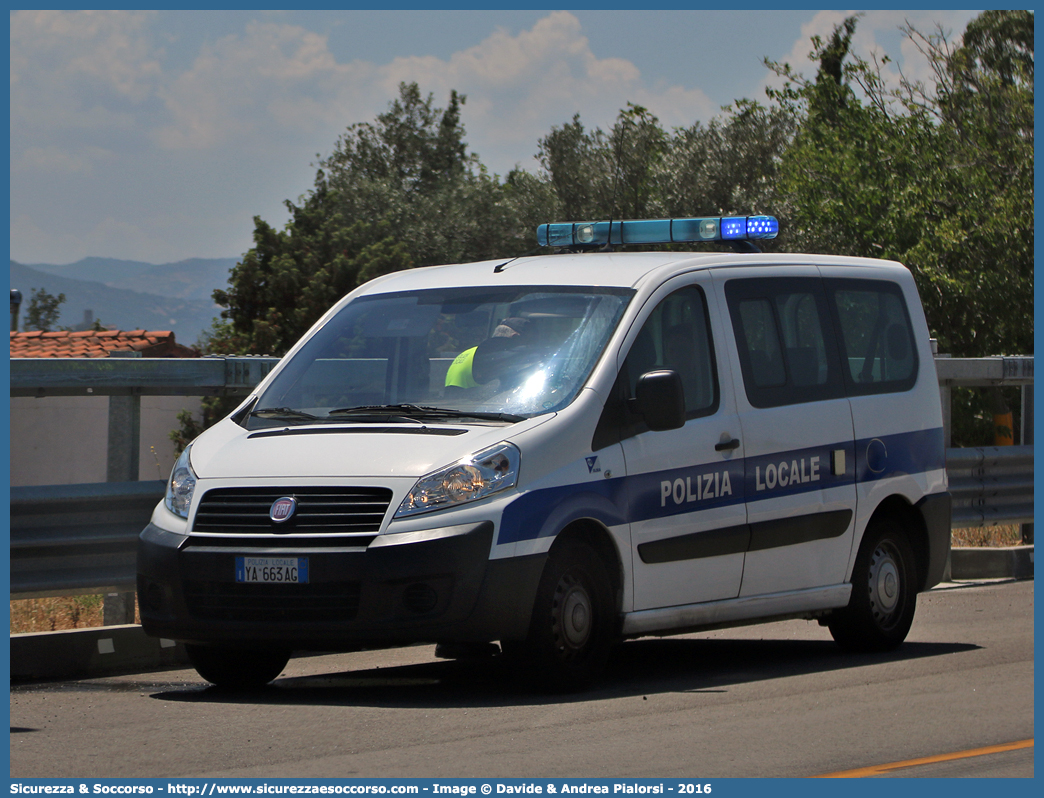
660 400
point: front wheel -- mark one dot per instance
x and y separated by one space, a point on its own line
571 631
237 668
884 596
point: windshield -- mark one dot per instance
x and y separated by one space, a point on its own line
499 354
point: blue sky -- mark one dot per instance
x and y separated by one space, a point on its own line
159 135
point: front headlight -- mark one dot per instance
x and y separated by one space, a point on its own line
473 478
180 486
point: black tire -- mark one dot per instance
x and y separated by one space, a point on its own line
237 668
572 628
884 592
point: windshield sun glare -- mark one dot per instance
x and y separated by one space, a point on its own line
498 354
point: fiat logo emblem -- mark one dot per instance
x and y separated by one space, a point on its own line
282 509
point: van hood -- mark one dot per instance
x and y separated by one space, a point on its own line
227 451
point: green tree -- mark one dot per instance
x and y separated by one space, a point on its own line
637 142
398 192
43 310
727 166
411 168
290 277
578 167
937 177
639 170
598 175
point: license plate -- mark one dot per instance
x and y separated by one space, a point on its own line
272 570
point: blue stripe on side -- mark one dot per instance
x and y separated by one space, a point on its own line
526 517
901 454
797 471
661 494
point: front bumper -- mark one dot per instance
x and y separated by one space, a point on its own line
434 586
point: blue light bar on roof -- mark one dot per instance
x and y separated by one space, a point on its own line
657 231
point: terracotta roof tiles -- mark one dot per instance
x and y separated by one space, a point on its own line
92 343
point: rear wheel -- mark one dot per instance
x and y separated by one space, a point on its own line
237 667
571 631
884 595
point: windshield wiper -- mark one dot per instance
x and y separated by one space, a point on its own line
483 415
284 414
419 411
407 411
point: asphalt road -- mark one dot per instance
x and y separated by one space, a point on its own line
777 700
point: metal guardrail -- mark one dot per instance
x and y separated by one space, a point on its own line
980 372
68 540
76 539
205 376
991 485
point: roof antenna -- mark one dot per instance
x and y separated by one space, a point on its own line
612 205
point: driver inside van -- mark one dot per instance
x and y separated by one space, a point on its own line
461 373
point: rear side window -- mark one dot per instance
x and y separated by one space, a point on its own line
877 344
784 331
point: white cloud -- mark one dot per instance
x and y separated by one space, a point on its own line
242 84
60 160
877 32
279 81
119 149
517 86
109 49
951 24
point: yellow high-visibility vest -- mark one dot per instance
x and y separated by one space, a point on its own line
459 372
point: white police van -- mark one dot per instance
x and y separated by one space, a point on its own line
558 452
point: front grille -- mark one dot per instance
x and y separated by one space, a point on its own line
320 511
228 601
278 544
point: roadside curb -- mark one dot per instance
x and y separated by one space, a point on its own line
84 653
1010 562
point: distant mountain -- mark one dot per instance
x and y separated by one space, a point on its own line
195 278
161 308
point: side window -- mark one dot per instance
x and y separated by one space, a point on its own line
877 344
677 336
784 333
762 343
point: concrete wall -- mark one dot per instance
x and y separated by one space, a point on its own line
63 440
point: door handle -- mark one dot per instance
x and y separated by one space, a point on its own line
725 446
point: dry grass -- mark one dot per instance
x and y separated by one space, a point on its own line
78 612
990 536
53 614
